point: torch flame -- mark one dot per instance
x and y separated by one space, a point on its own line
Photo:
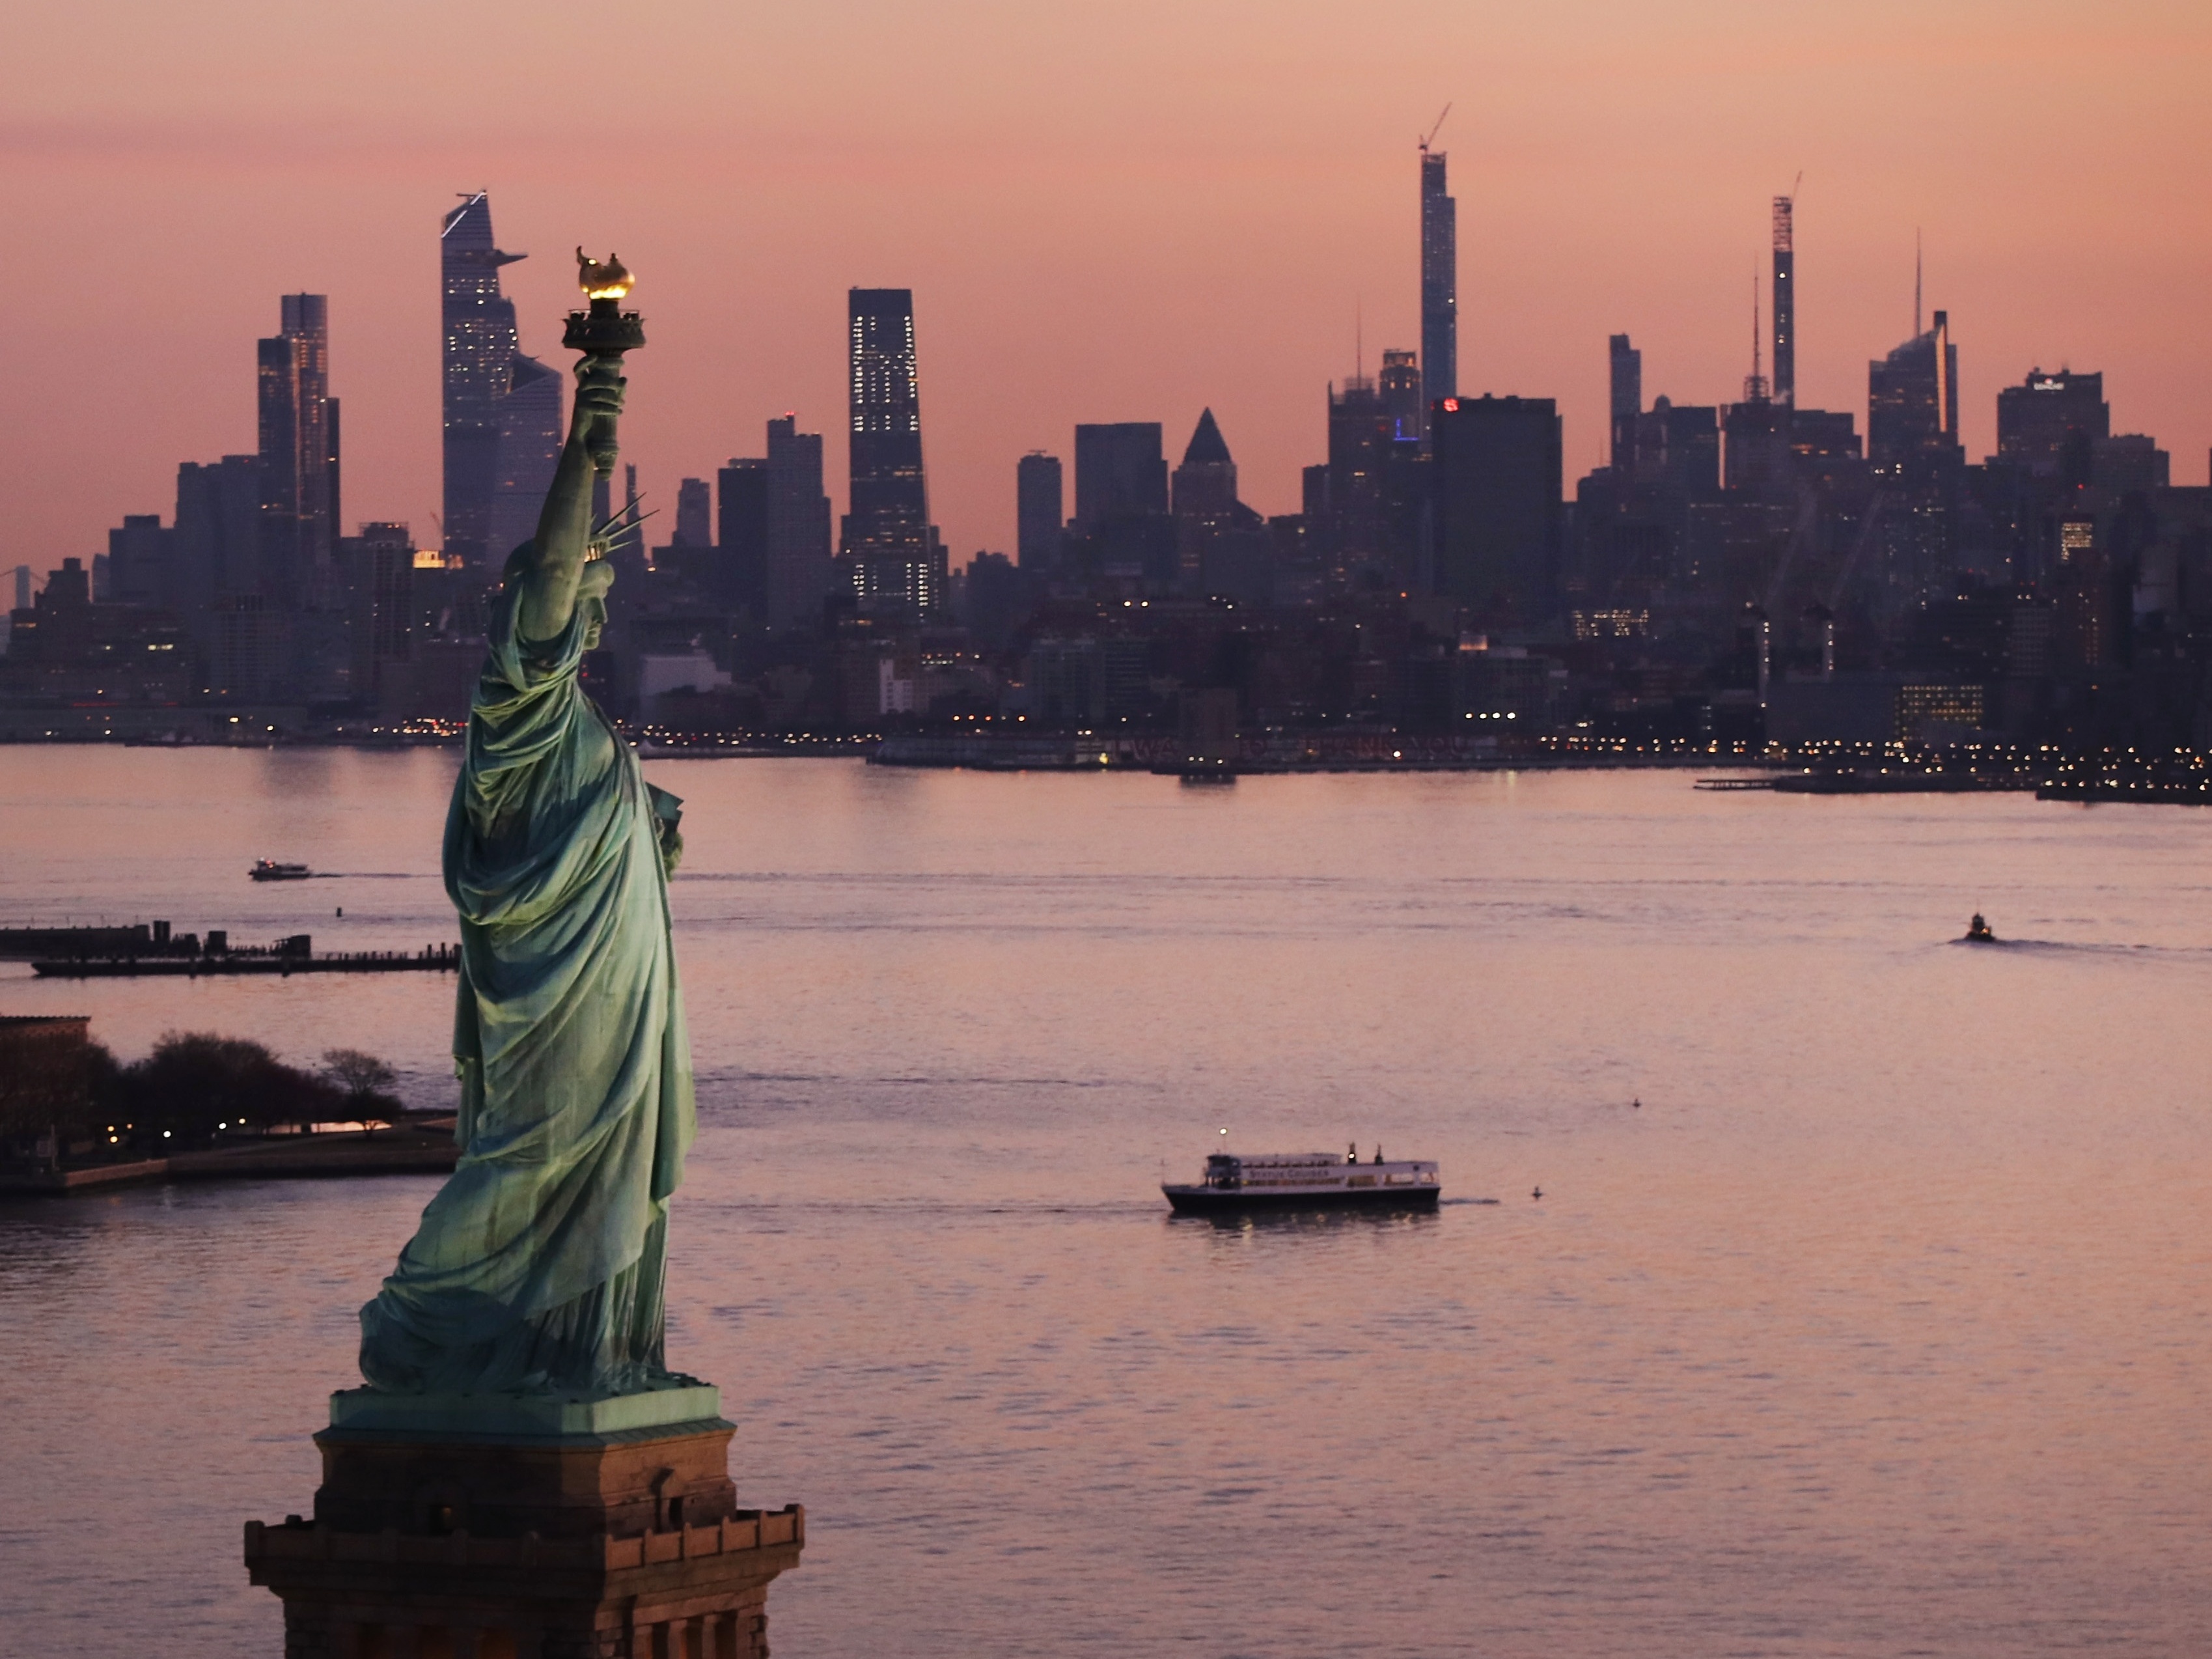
607 280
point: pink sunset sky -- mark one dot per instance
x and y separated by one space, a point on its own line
1106 212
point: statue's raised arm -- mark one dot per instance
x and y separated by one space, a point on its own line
550 571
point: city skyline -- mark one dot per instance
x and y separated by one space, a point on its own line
1053 303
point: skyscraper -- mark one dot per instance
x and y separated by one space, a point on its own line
1625 401
1119 471
798 576
298 420
1785 304
1912 404
1439 283
695 512
1398 386
893 559
1038 499
2046 416
480 346
528 422
1499 525
740 578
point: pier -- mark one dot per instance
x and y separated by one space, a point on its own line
283 959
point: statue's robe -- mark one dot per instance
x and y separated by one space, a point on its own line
539 1266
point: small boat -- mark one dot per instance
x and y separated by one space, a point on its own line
1304 1180
1978 931
269 870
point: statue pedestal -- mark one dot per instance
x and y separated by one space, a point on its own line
493 1526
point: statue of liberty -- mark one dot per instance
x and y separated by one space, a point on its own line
537 1268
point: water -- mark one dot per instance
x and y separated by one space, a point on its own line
1878 1327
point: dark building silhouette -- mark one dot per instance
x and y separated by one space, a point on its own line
1038 511
530 422
1222 546
1912 405
140 562
1625 402
694 513
1206 483
799 574
1398 387
893 561
218 540
2050 425
1119 472
479 351
384 606
1439 283
1678 446
299 431
1496 479
738 570
1786 303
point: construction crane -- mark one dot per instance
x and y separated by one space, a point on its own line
1433 131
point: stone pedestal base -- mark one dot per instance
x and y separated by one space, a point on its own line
483 1545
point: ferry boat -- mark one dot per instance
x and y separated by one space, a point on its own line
269 870
1305 1181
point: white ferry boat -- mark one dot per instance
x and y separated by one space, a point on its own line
1305 1181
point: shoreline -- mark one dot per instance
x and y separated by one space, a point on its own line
424 1146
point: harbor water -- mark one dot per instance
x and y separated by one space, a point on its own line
1867 1309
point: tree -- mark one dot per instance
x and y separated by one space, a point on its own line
366 1080
195 1083
52 1078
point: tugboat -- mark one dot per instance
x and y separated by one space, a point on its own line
1305 1181
1977 932
269 870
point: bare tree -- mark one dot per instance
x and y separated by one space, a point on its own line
364 1077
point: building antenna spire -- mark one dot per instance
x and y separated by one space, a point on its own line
1916 282
1358 337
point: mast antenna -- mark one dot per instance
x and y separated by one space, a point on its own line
1916 282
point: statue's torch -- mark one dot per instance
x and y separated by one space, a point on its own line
603 333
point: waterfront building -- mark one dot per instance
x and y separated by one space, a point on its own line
1038 511
893 560
139 555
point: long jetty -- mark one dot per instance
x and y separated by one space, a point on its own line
435 958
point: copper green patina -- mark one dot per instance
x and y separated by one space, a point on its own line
537 1271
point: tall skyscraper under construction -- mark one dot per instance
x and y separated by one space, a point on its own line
893 561
1439 283
1785 304
480 351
